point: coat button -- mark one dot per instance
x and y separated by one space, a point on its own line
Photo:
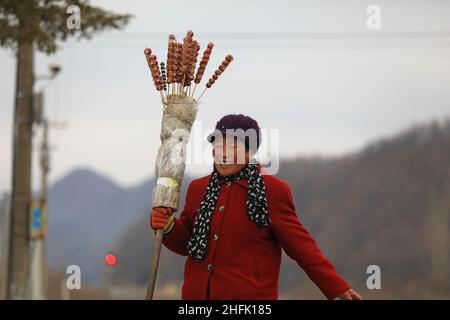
215 236
210 266
222 208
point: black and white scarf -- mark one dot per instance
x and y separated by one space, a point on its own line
256 206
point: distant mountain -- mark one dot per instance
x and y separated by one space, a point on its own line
387 205
86 213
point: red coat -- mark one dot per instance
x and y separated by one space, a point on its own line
243 260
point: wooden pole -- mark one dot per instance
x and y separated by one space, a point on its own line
154 265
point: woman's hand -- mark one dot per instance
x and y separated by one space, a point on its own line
162 218
350 295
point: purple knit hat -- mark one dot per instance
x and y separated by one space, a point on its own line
243 127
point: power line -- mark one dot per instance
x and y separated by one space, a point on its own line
295 36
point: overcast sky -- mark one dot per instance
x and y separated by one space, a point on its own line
309 69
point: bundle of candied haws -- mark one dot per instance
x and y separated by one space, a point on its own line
179 76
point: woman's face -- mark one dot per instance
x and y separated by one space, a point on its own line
229 156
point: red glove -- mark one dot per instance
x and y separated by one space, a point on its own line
162 218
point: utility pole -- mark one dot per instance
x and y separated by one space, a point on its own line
39 256
19 245
39 264
45 168
5 244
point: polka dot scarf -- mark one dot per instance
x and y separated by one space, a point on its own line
256 206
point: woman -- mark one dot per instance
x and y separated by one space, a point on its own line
235 222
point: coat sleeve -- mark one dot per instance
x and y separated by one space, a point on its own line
176 240
301 247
